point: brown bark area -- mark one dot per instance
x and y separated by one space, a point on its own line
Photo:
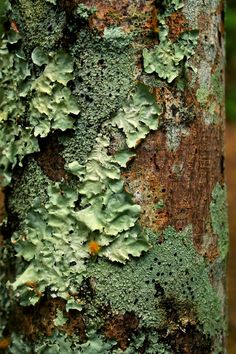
38 319
119 13
182 178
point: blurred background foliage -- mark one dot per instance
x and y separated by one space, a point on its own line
230 165
231 60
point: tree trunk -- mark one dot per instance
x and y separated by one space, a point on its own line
115 230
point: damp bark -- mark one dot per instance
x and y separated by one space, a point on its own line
114 232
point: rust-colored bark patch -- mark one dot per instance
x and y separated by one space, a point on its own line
177 24
37 320
125 14
50 160
183 179
120 328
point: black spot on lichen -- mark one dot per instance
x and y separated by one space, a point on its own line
163 290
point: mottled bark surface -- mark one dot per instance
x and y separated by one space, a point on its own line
112 128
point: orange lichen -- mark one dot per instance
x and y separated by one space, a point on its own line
94 247
4 343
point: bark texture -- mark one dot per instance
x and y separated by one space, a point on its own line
114 236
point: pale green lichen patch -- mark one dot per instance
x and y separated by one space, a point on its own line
84 12
16 139
219 220
52 101
54 262
109 212
168 59
138 116
165 59
106 221
163 274
60 343
60 320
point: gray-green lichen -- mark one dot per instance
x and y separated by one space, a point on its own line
166 59
210 93
52 101
163 276
40 23
25 188
104 73
219 220
60 343
16 138
84 12
29 105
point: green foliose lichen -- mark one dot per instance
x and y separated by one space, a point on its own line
16 139
166 58
84 12
138 116
31 105
219 220
109 212
107 215
52 101
60 343
52 262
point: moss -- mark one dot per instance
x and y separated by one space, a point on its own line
219 220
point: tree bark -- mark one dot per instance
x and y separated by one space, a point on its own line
114 237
